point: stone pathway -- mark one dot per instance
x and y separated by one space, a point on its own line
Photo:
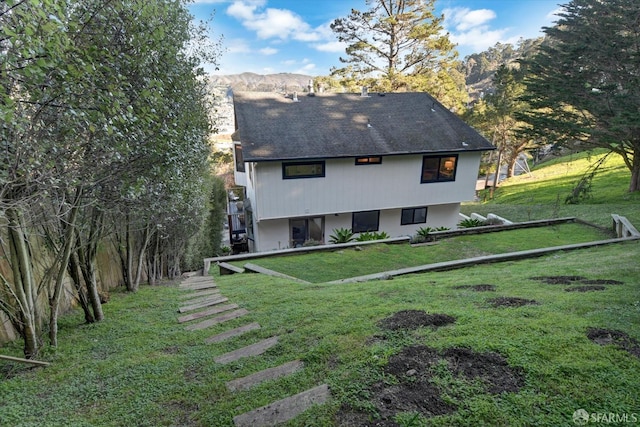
205 302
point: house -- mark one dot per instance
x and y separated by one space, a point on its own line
313 163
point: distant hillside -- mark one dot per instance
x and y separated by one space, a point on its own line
479 68
282 82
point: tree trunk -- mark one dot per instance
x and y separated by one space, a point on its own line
54 301
74 265
24 282
634 184
146 237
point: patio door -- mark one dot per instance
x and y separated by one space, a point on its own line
303 230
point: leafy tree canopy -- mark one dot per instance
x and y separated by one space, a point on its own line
584 84
399 45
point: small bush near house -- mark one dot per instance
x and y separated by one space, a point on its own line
341 235
367 236
470 223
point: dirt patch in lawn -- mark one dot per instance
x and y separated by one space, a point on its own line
413 319
414 390
511 302
478 288
569 280
620 339
585 288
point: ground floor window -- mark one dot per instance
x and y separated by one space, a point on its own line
365 221
414 216
306 230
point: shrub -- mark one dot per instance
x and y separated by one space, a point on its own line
470 223
311 242
341 235
366 236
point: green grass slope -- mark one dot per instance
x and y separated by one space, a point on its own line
542 193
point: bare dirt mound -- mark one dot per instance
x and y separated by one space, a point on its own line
558 280
415 391
478 288
585 288
491 368
620 339
568 280
511 302
413 319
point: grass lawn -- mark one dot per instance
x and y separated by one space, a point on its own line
542 194
328 266
140 367
567 339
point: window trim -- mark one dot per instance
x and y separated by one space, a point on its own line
321 174
413 216
440 159
368 160
353 221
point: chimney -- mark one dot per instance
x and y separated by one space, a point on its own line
364 92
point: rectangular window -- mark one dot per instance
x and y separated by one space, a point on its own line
413 216
303 170
439 168
365 221
374 160
237 148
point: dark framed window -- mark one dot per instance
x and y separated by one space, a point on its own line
439 168
365 221
303 170
371 160
413 216
238 157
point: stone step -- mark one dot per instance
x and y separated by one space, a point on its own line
250 350
232 333
202 298
219 319
199 286
199 293
217 300
249 381
284 410
206 313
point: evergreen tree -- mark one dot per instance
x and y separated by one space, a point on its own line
584 84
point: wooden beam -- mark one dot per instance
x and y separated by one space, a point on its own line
21 360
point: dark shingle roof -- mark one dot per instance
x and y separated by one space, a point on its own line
273 126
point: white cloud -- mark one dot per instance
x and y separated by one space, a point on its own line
334 46
273 23
268 51
238 46
469 29
465 19
306 69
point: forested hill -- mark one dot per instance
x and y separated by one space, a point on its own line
479 68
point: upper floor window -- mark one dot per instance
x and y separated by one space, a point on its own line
296 170
238 157
371 160
439 168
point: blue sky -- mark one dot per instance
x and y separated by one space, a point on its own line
293 36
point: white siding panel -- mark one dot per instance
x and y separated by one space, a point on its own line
347 188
